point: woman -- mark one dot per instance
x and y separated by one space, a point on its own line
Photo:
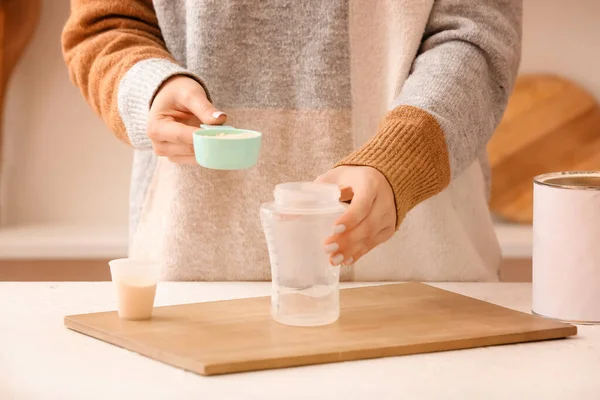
393 99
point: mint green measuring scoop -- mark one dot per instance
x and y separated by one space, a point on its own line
226 148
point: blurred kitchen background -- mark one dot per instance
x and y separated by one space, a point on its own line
65 178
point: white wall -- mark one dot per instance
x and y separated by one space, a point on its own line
562 36
64 168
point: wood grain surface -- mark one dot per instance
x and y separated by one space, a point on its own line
550 125
378 321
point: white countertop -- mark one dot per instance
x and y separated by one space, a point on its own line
71 242
41 359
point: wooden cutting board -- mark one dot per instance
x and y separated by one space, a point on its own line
377 321
551 124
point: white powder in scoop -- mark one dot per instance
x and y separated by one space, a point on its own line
244 135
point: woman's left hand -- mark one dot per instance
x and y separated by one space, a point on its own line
369 220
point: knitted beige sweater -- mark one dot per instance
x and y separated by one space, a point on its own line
412 88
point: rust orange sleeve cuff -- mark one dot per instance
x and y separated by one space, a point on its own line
101 41
410 150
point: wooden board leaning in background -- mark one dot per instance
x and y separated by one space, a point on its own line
550 125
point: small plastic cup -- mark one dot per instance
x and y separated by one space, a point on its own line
135 283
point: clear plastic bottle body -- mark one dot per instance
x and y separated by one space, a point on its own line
305 287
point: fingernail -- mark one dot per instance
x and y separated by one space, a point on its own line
217 114
337 260
330 248
349 261
339 229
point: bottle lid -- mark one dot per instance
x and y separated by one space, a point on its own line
307 195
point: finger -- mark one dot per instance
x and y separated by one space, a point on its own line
383 236
356 256
352 241
346 193
328 177
168 149
190 120
196 101
368 228
367 245
171 131
183 159
333 176
359 209
342 259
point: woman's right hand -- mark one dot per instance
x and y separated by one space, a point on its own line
178 109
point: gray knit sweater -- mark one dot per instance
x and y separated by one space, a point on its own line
340 81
